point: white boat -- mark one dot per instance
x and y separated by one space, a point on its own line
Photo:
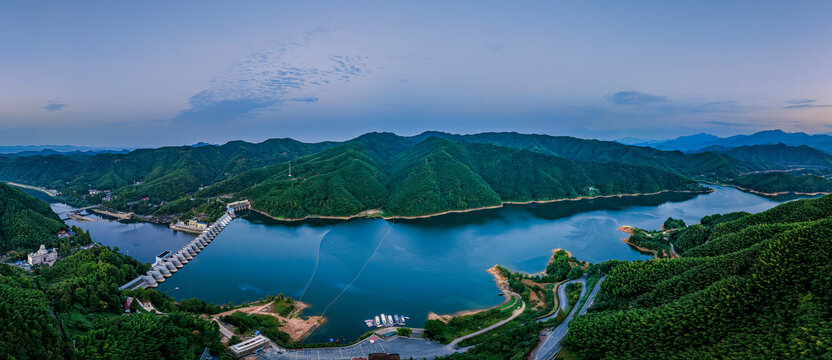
396 318
378 322
389 319
384 320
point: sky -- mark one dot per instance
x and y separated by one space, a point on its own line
153 73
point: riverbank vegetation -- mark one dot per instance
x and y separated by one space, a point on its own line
462 325
751 285
782 182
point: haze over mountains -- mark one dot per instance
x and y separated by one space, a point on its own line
768 137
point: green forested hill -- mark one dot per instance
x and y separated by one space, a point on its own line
753 286
784 182
781 156
339 184
73 310
25 222
163 174
432 176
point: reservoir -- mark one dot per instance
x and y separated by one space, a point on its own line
352 270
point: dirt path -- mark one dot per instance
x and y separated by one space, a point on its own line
295 326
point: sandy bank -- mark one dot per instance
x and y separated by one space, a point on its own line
631 230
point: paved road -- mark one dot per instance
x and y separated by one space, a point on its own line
550 346
224 330
562 300
405 347
514 314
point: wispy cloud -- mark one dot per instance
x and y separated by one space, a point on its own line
636 98
54 106
645 102
724 123
803 104
268 79
305 99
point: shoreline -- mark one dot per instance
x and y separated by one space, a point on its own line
364 214
630 230
757 192
498 279
52 193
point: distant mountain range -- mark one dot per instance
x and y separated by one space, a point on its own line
28 150
701 141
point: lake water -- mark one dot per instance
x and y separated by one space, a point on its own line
353 270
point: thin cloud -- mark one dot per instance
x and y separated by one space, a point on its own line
306 99
636 98
657 104
54 106
267 80
803 104
724 123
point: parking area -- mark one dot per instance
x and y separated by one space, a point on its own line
405 347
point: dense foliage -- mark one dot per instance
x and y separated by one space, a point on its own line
762 288
267 325
26 222
386 173
784 182
427 173
147 336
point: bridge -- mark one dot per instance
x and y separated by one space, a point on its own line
168 262
76 211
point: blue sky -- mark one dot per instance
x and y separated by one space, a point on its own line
163 73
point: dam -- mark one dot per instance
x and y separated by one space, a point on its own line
167 262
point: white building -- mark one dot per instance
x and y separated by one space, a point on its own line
43 256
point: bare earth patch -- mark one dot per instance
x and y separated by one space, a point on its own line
294 324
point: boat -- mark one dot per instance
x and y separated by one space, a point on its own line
396 319
389 319
369 323
378 323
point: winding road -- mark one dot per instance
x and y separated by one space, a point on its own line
514 314
550 346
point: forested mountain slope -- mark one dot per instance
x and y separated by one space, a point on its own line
162 174
784 182
748 286
374 171
781 156
25 222
432 176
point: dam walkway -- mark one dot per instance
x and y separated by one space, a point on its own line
167 262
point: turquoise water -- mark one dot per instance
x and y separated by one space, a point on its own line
353 270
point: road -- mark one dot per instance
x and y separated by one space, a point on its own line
514 314
406 348
550 346
227 333
562 300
